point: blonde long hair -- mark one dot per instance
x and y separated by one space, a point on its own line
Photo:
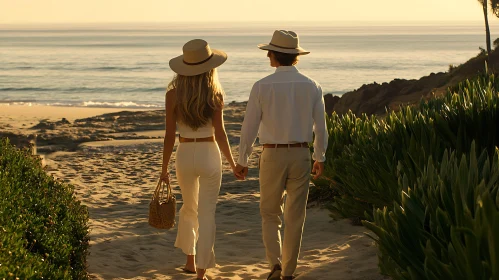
197 97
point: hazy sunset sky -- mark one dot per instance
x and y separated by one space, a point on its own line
92 11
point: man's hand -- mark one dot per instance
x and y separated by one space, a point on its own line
317 169
240 172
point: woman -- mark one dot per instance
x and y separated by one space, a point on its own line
194 104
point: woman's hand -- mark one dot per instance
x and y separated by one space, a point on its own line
240 172
165 177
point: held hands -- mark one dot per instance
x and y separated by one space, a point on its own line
317 169
240 171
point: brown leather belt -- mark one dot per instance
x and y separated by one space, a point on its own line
294 145
205 139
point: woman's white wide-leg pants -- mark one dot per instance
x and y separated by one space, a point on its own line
199 174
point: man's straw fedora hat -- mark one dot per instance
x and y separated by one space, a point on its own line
198 58
285 42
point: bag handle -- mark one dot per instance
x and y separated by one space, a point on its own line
159 192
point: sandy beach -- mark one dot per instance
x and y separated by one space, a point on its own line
115 178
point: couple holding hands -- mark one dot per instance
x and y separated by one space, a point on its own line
285 110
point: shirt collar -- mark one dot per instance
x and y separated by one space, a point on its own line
286 69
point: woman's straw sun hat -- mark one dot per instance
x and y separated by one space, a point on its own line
197 58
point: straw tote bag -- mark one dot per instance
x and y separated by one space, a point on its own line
163 207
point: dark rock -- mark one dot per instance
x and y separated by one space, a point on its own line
126 121
329 101
21 141
376 99
45 124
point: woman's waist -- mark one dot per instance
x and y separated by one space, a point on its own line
183 139
187 133
190 147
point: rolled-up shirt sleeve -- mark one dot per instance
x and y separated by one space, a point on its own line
320 129
251 124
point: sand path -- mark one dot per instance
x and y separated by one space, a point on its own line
116 183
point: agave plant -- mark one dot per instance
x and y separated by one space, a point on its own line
367 156
446 225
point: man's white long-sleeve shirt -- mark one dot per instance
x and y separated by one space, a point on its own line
283 108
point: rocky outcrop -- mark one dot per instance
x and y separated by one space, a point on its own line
126 121
45 124
378 98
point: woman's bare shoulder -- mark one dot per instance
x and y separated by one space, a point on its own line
171 95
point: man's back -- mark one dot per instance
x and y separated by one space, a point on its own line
284 108
288 100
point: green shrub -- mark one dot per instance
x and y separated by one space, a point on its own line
447 223
43 228
366 156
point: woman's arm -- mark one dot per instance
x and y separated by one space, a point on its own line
221 136
169 132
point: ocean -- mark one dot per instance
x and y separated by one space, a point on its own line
125 65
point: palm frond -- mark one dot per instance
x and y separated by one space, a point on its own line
494 7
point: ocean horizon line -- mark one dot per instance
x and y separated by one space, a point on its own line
339 23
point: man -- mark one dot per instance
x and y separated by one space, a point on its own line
284 109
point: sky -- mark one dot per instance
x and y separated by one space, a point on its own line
112 11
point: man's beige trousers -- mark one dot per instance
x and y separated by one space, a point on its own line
284 169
